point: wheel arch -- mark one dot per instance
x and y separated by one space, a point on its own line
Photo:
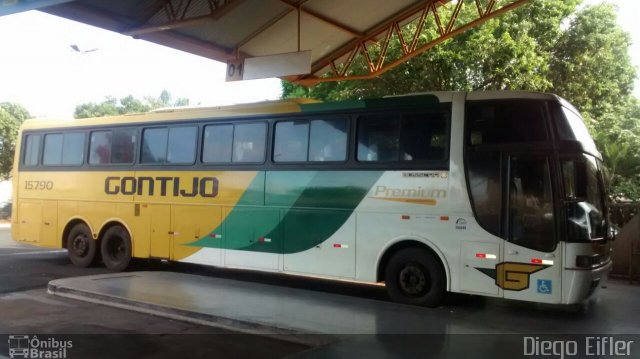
72 222
407 242
112 222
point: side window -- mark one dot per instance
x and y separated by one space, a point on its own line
328 140
485 183
112 147
31 150
182 144
100 148
154 145
292 141
52 149
378 138
217 144
531 220
491 122
406 138
123 145
63 149
249 142
175 145
424 137
310 140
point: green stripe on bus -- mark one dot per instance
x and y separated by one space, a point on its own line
303 209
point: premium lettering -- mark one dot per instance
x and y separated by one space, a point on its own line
163 186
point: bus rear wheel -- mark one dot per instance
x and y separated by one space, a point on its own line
115 248
81 246
415 276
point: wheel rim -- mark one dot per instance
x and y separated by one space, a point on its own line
116 248
80 245
414 280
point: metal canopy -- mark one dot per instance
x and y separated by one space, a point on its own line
349 39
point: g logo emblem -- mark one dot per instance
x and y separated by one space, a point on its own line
515 276
512 275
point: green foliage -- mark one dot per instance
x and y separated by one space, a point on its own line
111 106
11 117
547 45
591 65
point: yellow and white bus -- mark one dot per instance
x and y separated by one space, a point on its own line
489 193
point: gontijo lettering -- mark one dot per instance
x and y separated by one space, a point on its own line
203 187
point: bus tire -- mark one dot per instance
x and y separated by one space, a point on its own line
415 276
81 247
115 248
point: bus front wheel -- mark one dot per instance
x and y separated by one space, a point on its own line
115 248
415 276
81 246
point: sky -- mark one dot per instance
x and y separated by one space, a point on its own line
40 70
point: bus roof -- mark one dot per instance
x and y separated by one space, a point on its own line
178 113
277 107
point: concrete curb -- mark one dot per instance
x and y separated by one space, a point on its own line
54 287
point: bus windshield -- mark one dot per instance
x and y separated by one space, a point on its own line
586 214
574 129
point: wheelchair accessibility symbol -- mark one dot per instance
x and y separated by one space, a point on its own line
544 286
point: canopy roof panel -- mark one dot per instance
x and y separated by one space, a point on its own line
348 39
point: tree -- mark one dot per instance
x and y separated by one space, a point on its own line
592 68
111 106
591 64
11 117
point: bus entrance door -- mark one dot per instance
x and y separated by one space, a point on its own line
532 265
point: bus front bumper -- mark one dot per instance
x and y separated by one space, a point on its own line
581 284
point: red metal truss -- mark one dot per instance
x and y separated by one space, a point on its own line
371 49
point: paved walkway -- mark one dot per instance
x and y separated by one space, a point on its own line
298 314
248 306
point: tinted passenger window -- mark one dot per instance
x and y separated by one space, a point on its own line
112 147
485 183
63 149
491 122
241 143
32 150
182 144
249 142
100 147
378 138
314 141
412 137
154 145
292 141
217 144
328 140
169 145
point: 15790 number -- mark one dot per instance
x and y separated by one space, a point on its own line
38 185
